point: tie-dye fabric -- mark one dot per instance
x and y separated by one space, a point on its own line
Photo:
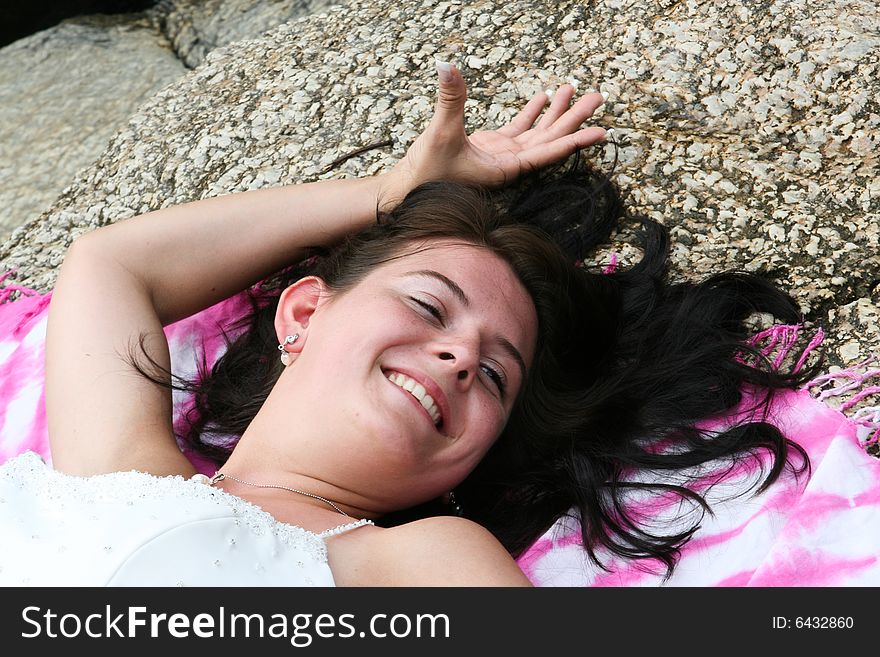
820 530
823 530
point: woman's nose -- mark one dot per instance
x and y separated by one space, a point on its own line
465 366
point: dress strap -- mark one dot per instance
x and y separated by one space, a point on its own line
327 533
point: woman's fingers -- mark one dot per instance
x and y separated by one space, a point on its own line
557 121
546 153
526 117
558 107
536 137
571 120
525 120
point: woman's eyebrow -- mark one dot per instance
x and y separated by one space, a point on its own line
513 352
456 290
454 287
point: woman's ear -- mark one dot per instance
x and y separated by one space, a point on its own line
296 305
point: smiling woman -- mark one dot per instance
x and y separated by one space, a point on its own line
456 347
359 343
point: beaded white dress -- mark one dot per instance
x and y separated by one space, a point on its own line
136 529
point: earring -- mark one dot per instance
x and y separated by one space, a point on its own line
453 504
285 357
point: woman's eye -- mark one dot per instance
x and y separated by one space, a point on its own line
434 310
496 377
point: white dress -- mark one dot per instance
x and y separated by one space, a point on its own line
136 529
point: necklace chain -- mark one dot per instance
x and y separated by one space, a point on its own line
219 476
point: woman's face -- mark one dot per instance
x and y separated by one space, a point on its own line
418 367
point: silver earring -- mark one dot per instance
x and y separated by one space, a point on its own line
453 504
285 357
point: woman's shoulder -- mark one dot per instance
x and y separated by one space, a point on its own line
438 551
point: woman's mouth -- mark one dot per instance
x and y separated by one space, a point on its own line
417 390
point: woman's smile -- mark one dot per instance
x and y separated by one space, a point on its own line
416 387
419 392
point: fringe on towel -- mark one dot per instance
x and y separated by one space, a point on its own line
11 293
856 389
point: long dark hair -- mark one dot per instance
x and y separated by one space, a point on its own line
625 362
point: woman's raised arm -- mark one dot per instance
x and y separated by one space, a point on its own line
134 277
131 278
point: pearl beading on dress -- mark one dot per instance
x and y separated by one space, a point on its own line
344 528
132 486
137 529
327 533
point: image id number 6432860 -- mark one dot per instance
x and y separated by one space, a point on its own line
824 622
813 622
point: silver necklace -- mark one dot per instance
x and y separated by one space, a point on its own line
219 476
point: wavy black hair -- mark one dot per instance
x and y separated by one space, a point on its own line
626 367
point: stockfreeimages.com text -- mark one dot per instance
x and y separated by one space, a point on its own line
299 629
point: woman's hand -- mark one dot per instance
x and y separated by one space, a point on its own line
444 151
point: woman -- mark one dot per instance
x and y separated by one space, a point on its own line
395 377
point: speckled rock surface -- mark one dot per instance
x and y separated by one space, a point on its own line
749 128
87 76
196 27
63 93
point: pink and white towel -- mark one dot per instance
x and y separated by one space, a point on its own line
820 530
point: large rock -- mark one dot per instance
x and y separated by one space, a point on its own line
87 76
196 27
749 129
63 93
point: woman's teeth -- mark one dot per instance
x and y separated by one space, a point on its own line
418 391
